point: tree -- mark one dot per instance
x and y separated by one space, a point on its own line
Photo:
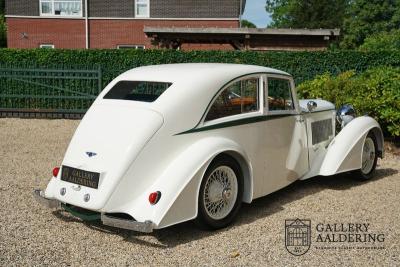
248 24
382 41
369 17
3 29
312 14
3 32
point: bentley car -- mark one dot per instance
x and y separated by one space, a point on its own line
170 143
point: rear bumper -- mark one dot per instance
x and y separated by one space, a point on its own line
49 203
144 227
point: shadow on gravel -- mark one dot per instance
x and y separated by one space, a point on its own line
259 208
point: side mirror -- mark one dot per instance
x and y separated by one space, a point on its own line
311 105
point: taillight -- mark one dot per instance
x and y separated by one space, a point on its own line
55 171
154 197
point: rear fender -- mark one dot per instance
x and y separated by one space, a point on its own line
180 182
345 151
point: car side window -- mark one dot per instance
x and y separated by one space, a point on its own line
279 94
238 98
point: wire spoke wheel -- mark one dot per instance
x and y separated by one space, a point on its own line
368 156
220 192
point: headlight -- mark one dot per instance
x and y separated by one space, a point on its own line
345 114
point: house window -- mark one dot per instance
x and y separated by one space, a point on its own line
46 8
142 8
141 47
60 7
238 98
51 46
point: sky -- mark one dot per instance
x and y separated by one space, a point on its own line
255 12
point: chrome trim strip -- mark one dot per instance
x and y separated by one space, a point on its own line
145 227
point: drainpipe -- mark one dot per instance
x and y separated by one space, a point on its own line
86 24
240 14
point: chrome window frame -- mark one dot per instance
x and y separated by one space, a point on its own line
293 94
234 117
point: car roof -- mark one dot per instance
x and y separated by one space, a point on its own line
194 71
194 85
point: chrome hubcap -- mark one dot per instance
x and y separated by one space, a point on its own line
226 194
220 192
368 156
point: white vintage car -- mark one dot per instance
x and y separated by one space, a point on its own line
171 143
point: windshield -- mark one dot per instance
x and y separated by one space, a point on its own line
137 90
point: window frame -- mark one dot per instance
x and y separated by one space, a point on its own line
52 14
136 9
47 46
128 46
41 10
234 117
293 94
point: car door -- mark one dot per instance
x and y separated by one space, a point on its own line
240 105
286 154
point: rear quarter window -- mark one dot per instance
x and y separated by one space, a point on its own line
143 91
238 98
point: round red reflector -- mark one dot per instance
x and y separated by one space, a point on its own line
55 171
154 197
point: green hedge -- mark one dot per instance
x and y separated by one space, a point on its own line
302 65
375 92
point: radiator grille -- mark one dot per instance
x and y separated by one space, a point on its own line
321 130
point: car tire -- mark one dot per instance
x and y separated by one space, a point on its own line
220 194
369 157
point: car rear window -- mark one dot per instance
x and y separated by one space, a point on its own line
137 90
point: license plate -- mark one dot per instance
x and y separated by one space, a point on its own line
81 177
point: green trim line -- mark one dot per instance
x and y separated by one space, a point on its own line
86 216
237 123
243 121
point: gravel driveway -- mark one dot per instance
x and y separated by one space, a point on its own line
33 235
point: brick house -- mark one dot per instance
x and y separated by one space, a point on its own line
112 23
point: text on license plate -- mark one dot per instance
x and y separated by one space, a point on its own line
81 177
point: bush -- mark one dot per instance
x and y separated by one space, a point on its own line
375 92
302 65
382 41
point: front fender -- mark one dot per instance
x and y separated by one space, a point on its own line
345 151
